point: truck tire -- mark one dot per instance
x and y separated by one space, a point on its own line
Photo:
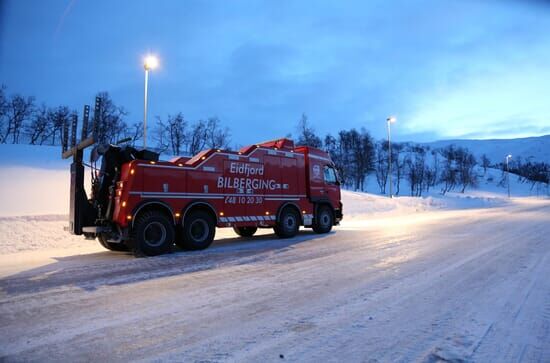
324 219
153 234
288 224
198 231
110 245
245 231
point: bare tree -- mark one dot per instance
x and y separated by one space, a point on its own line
3 110
466 163
111 126
485 163
135 133
59 117
398 159
177 131
449 173
40 127
160 135
416 168
306 134
197 137
381 165
217 136
18 110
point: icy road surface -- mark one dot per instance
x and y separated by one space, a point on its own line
469 285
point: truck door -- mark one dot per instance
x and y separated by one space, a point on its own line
331 187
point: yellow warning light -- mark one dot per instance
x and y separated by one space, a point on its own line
204 157
266 213
221 214
123 204
128 217
240 153
132 171
303 212
120 192
180 164
218 150
177 215
152 162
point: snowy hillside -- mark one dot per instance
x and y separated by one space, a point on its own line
529 148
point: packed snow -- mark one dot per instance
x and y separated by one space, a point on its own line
460 277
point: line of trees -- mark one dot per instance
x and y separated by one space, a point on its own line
357 155
176 135
22 120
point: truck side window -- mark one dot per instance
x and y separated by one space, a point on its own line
330 175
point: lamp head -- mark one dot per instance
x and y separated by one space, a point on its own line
391 119
150 62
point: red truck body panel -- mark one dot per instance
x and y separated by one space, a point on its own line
245 188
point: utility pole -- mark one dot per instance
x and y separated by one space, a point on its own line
508 157
151 62
389 121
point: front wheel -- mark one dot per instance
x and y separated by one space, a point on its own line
153 234
198 231
245 231
323 220
288 224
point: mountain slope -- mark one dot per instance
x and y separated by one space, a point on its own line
534 148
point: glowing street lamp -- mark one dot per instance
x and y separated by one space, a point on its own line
390 120
508 157
150 62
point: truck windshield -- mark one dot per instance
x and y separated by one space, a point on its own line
330 175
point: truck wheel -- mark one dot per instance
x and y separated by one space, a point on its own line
288 224
245 231
153 234
323 220
110 245
198 231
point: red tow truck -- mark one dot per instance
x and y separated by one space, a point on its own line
145 205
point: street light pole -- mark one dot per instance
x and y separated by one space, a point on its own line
508 157
145 109
151 62
389 121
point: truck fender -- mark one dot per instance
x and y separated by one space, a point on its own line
284 205
164 206
200 203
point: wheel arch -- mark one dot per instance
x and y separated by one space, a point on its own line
289 205
199 205
153 205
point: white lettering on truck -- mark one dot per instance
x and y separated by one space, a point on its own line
245 182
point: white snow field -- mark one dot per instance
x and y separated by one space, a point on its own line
460 278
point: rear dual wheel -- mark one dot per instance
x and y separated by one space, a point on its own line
198 231
153 234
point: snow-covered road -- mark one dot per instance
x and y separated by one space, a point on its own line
450 285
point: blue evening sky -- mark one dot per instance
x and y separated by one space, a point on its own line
445 68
